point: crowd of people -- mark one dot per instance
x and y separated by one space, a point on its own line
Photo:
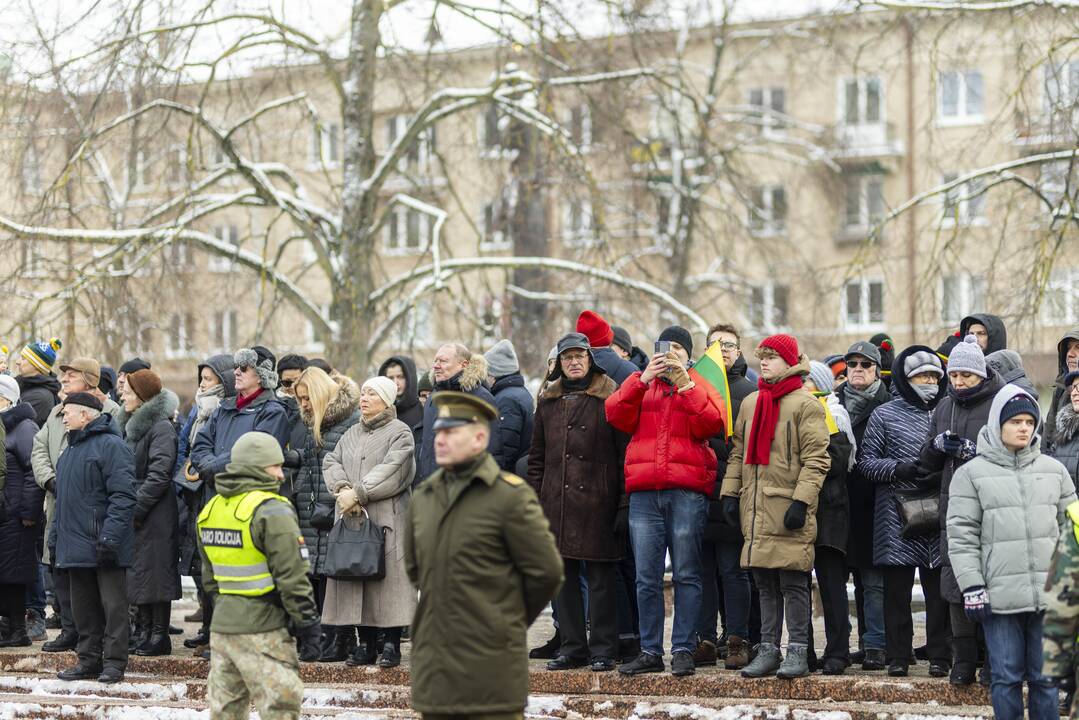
871 465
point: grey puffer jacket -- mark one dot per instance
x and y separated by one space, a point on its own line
309 484
1004 517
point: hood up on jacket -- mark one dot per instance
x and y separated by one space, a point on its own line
49 382
222 366
411 395
990 445
901 385
1009 365
471 377
1062 354
998 333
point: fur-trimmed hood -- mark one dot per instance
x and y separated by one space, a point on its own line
601 387
1067 423
343 405
162 406
471 377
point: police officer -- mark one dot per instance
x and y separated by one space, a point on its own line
1060 628
481 553
255 569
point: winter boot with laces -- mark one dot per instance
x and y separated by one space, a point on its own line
796 664
766 663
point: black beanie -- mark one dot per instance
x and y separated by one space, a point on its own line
290 362
134 365
1021 403
622 339
679 335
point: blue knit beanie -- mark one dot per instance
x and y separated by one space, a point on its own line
42 355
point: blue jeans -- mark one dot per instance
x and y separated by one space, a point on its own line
35 591
1014 643
662 520
873 594
722 559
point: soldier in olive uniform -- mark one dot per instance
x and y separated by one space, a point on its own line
482 555
1060 628
255 569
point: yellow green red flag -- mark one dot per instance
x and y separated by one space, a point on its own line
714 371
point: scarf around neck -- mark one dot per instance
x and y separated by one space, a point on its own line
766 416
857 400
205 403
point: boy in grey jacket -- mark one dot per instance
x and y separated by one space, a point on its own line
1004 518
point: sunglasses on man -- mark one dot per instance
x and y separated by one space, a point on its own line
864 364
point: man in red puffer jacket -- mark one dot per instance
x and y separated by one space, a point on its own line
670 412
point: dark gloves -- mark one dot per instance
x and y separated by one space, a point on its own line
293 459
50 485
906 472
729 510
958 447
621 521
795 519
107 555
976 604
309 640
1066 683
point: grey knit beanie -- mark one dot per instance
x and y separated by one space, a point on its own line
967 357
821 375
502 359
922 362
247 357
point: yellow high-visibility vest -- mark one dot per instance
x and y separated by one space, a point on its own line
1073 514
224 524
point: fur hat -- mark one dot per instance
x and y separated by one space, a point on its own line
144 383
247 357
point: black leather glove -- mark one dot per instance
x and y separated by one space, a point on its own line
795 518
729 510
107 556
906 471
50 485
621 521
309 640
293 459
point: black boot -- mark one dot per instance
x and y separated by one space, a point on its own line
16 636
65 641
391 656
327 643
366 652
140 629
158 643
549 650
341 646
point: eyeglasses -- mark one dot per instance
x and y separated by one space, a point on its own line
574 357
728 346
241 367
865 364
287 383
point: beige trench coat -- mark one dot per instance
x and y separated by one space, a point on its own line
377 460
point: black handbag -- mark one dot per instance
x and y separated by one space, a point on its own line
919 511
322 515
358 554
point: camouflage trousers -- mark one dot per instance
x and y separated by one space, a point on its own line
262 665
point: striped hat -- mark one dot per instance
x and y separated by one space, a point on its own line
42 355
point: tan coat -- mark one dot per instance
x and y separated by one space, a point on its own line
377 460
796 467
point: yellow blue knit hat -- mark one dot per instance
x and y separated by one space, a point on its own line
42 355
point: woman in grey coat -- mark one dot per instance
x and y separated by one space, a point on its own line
153 581
1004 518
370 473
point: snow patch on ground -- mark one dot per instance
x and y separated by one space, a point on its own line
545 704
90 689
338 697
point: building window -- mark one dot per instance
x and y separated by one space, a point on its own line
140 171
324 147
407 231
1057 181
666 213
772 99
674 120
491 127
577 228
30 170
32 259
964 204
863 304
580 124
1060 304
768 306
415 328
862 101
497 215
179 257
961 295
176 172
863 201
224 331
231 235
419 154
961 96
178 341
217 155
768 211
1061 87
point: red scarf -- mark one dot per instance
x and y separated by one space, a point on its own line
766 417
242 401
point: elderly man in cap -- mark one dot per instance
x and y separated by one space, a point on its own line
472 520
863 393
80 375
93 536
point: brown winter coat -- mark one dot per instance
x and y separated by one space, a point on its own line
796 467
376 459
575 467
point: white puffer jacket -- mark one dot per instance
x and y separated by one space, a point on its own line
1004 517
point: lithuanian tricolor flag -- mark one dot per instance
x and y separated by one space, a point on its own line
714 371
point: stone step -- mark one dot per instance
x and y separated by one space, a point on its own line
854 687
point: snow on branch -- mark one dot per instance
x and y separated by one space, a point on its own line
962 5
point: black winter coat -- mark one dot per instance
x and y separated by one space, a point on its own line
308 484
1065 443
965 415
409 410
833 502
154 576
1059 391
516 418
95 497
716 529
42 392
23 499
860 490
617 368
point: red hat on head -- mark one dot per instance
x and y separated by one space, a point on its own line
785 346
595 328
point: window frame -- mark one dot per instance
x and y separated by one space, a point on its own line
762 219
865 321
862 82
962 115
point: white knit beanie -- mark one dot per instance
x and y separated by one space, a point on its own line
385 388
